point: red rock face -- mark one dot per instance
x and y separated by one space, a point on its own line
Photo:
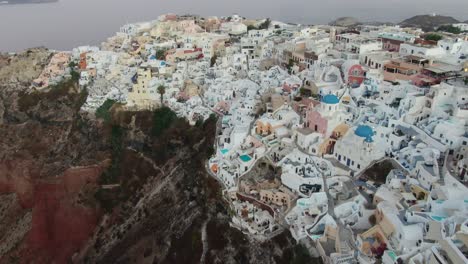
41 134
17 176
59 228
60 224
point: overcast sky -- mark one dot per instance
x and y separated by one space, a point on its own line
70 23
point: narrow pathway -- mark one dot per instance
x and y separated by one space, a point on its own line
204 239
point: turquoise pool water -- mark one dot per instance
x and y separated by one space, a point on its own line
437 218
392 255
245 158
224 151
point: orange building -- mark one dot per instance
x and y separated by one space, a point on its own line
82 65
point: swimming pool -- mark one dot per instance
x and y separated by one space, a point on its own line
224 151
392 255
437 218
245 158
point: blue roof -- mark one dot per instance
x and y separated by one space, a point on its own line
330 99
364 132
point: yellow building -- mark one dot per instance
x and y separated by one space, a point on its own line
328 145
263 127
267 126
142 95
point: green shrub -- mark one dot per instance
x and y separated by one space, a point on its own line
450 29
301 255
161 54
251 27
162 119
433 37
75 76
104 111
305 92
213 60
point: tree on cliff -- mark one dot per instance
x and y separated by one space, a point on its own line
161 91
161 54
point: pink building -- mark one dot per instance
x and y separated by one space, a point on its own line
223 107
391 44
289 88
316 122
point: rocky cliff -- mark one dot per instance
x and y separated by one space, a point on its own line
49 157
129 187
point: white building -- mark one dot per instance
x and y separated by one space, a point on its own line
421 50
357 148
461 26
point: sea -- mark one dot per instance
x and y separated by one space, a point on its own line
66 24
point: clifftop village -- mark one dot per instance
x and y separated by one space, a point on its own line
353 139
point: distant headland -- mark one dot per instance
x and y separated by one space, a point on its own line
17 2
